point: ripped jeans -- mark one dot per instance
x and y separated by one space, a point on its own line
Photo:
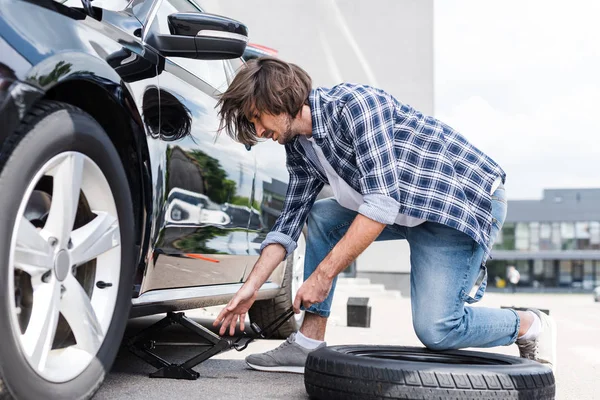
447 272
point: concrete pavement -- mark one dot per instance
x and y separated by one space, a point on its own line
227 377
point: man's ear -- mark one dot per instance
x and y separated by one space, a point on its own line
299 113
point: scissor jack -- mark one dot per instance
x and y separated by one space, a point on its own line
142 344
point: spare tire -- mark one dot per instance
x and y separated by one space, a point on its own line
394 372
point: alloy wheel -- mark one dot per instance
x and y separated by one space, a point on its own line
70 272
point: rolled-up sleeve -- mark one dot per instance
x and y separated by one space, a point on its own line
367 118
301 193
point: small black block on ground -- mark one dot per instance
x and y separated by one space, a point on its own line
358 312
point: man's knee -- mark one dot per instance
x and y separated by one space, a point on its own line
436 334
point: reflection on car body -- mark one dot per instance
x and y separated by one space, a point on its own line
186 208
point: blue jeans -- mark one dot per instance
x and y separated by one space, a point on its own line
447 271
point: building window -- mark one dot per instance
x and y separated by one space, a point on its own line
538 273
564 273
577 274
588 274
508 237
546 237
582 235
567 235
522 236
534 236
595 235
497 272
549 273
555 236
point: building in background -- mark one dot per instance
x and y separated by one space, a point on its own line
553 242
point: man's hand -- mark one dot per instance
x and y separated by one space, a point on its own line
236 308
314 290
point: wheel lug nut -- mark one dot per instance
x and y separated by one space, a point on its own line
53 241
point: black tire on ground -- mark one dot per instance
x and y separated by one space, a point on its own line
50 129
264 312
394 372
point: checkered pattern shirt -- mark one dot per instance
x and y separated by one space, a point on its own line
400 160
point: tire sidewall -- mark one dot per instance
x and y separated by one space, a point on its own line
503 364
61 130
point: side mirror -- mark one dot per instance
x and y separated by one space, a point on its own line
202 36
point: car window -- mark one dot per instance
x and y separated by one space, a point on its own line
210 71
112 5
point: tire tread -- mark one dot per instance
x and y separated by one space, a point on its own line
338 379
35 114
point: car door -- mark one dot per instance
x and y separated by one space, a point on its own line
203 210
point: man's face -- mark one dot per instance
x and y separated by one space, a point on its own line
275 127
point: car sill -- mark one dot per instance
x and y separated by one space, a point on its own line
193 293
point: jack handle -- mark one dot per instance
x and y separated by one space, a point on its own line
265 333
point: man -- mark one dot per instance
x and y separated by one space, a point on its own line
513 277
395 174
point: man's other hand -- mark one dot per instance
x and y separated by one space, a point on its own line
314 290
236 309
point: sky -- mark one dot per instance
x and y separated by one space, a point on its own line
521 80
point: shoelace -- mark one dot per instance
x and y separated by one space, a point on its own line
528 349
283 345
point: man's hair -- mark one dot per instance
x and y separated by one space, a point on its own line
265 84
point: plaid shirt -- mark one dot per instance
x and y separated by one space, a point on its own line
400 160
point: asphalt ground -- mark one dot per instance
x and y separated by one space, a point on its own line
226 376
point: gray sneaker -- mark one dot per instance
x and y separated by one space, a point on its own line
542 349
288 357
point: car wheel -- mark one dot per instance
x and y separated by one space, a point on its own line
66 241
394 372
264 312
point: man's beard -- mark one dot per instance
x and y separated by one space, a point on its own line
289 134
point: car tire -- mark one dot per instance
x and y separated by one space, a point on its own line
395 372
264 312
63 139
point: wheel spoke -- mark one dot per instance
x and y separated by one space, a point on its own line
95 238
77 309
39 335
33 254
65 197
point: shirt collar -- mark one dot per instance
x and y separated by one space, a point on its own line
319 129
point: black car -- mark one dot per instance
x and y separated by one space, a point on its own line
119 197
